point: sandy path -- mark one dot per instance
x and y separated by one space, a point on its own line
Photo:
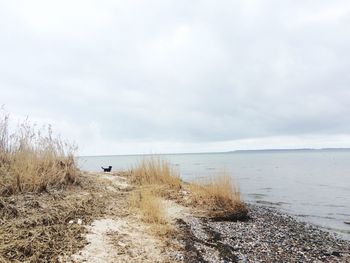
120 240
125 239
99 248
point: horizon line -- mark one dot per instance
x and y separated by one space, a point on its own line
219 152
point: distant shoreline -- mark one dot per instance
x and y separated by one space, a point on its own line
229 152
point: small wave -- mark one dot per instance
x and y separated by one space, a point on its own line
257 196
266 188
342 214
316 216
339 230
263 202
331 205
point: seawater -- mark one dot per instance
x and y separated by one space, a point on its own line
313 186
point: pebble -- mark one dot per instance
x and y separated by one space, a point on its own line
268 236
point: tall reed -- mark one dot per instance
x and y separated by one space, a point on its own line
220 196
32 160
150 206
156 171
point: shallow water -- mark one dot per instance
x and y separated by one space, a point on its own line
314 186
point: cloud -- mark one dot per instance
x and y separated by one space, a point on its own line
136 76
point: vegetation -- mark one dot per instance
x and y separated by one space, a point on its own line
155 171
33 160
150 206
153 178
220 196
42 228
45 227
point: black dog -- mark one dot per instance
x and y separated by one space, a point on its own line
107 169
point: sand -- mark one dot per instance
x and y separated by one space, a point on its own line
96 224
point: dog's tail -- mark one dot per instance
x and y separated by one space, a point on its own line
103 168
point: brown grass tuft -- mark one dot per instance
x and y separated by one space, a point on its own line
220 196
157 172
35 227
154 179
150 206
33 160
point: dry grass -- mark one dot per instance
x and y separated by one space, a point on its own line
150 206
155 171
155 179
32 160
220 196
44 227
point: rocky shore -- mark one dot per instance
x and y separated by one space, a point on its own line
93 222
267 236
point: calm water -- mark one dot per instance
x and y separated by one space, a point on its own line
314 186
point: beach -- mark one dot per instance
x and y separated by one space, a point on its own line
174 131
92 222
311 185
267 236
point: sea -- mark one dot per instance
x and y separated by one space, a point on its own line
311 185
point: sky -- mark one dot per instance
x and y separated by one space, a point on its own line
129 77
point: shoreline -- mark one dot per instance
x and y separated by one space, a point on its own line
104 229
268 236
314 193
337 233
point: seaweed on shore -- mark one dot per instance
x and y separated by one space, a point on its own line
194 254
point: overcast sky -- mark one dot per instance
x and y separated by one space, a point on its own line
121 77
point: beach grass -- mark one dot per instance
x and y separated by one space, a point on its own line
33 160
220 196
155 171
150 206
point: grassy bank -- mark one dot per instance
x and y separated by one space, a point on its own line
46 203
35 168
219 197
